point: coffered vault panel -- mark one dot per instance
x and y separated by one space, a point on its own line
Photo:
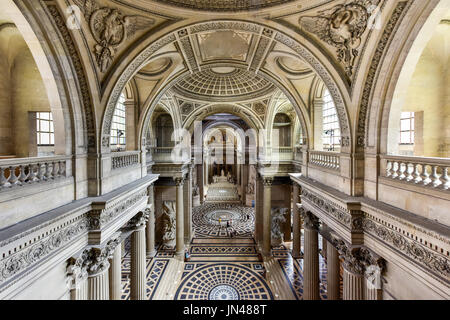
213 85
224 5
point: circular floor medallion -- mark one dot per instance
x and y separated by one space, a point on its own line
223 292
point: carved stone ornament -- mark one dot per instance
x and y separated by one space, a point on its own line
310 221
138 221
110 29
169 231
342 27
76 272
267 181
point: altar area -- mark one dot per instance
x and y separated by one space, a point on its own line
223 189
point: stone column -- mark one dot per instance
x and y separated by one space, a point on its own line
296 242
187 210
333 273
97 267
353 277
130 118
150 245
179 218
138 257
267 219
115 274
77 279
311 257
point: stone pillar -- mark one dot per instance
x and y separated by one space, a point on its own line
187 210
138 257
311 257
150 230
97 268
130 119
77 279
179 218
333 273
353 277
115 274
244 181
296 241
267 219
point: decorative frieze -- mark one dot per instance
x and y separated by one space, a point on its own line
101 217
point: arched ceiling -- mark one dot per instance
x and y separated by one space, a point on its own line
223 84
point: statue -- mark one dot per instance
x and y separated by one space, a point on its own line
195 191
169 233
250 188
278 219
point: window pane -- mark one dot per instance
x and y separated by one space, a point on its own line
45 139
405 125
405 137
45 126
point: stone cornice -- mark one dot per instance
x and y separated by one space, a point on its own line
56 229
398 237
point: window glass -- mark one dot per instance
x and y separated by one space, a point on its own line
118 126
331 137
407 128
45 129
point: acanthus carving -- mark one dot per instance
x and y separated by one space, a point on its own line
101 217
169 224
310 221
418 253
110 29
342 27
139 220
23 259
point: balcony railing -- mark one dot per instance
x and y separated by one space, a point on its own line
25 171
164 154
283 153
429 172
328 160
124 159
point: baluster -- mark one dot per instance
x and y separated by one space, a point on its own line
416 173
409 173
3 181
389 170
444 179
22 176
40 172
424 175
62 168
55 170
395 168
32 175
47 173
13 179
401 167
434 176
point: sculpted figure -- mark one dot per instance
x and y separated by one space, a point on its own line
278 218
169 232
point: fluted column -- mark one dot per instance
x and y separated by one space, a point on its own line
179 218
77 279
333 271
311 257
138 257
150 229
296 241
267 219
115 274
97 267
353 276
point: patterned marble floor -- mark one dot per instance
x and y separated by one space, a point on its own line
222 267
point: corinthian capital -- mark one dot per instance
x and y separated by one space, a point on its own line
354 258
139 220
76 272
267 181
179 181
310 221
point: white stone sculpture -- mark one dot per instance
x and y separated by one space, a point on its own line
278 218
169 233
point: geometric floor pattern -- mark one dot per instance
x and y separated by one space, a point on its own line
221 220
222 267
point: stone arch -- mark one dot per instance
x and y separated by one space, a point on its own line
278 36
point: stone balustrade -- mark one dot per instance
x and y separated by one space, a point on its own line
328 160
169 154
429 172
26 171
283 153
124 159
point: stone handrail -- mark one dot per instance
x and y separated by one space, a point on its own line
164 154
329 160
124 159
429 172
283 153
25 171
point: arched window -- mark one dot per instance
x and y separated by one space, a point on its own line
331 137
118 126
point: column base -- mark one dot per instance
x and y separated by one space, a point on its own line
151 254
